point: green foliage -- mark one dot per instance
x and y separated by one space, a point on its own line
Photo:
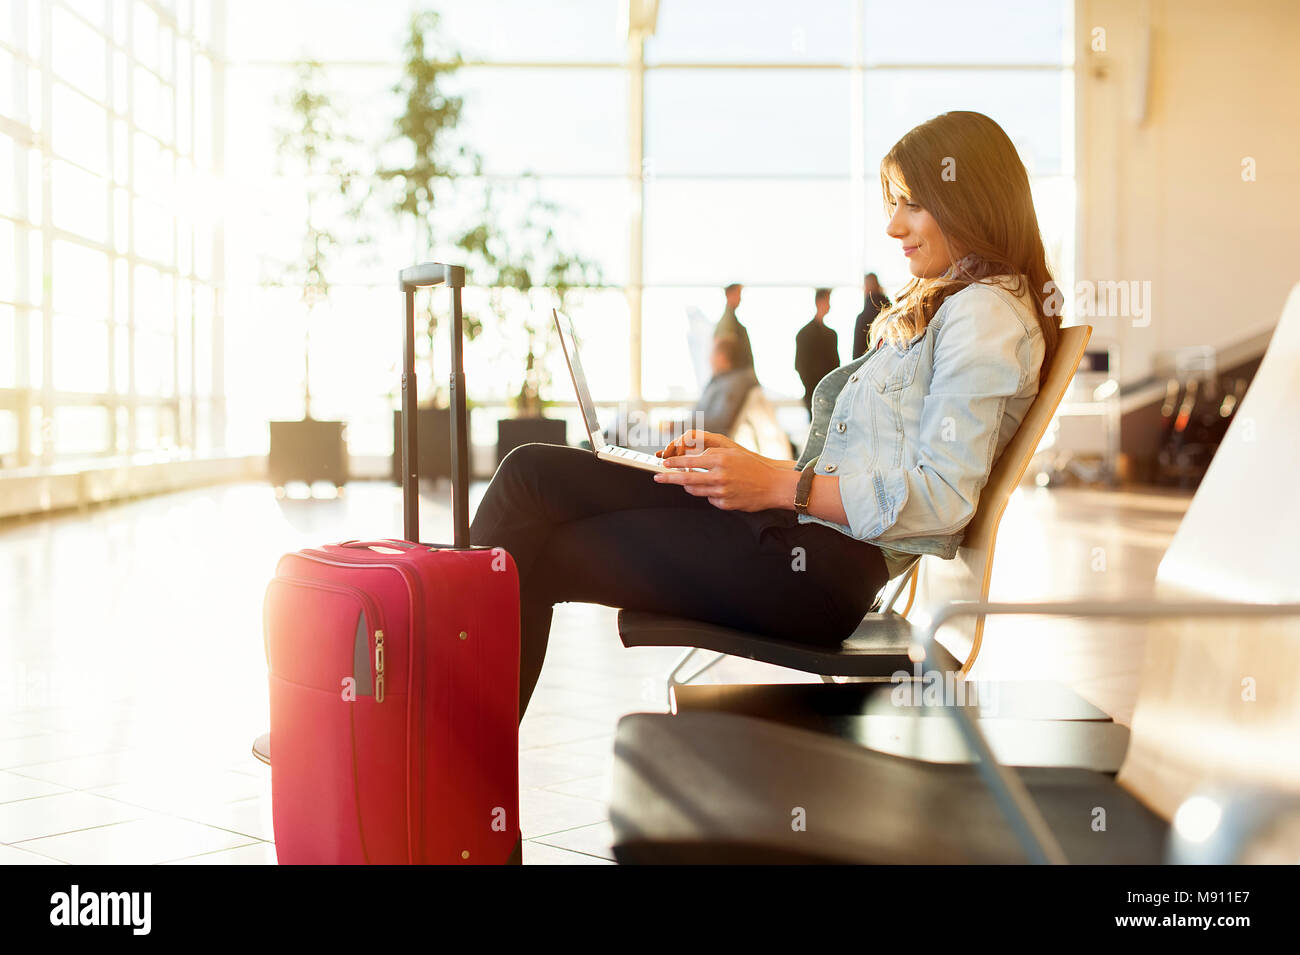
311 146
512 250
429 119
426 127
517 256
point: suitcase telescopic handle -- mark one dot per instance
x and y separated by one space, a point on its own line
432 273
425 275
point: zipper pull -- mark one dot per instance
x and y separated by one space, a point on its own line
379 666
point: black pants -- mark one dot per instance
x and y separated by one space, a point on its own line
582 529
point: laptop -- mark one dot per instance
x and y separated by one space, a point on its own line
602 449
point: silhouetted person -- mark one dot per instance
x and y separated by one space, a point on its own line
716 410
876 299
726 391
729 327
816 348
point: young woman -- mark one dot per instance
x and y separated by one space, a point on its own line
902 439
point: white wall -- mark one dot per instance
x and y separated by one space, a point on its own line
1163 201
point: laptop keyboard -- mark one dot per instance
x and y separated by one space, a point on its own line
631 455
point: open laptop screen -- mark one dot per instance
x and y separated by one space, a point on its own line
570 343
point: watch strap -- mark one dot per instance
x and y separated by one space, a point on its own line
804 488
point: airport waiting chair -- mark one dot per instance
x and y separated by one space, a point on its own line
881 643
757 429
1217 716
1026 722
721 788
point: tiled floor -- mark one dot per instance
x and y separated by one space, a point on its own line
132 675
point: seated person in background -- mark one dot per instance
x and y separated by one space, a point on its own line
726 391
816 348
716 411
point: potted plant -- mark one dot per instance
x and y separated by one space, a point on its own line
310 146
508 259
520 259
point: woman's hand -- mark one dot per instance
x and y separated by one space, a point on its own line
733 478
696 442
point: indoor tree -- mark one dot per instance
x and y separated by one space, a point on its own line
508 255
310 148
517 256
425 132
311 152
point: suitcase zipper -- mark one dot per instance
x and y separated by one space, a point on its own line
371 611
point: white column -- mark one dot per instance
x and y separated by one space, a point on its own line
636 204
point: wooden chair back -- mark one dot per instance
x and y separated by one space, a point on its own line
967 576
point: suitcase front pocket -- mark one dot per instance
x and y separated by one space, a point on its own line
339 738
326 636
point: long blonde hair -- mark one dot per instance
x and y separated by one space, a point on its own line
964 170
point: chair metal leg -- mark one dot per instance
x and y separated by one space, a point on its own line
907 578
673 678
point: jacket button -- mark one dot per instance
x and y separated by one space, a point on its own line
830 468
840 427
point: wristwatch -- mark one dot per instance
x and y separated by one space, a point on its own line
804 487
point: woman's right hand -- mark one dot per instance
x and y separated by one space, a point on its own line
695 442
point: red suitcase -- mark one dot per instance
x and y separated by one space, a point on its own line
394 678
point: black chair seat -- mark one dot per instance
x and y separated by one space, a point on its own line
1027 723
726 789
878 648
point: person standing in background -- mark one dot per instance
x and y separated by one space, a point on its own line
729 327
876 299
816 348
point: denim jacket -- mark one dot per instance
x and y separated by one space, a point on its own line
912 431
